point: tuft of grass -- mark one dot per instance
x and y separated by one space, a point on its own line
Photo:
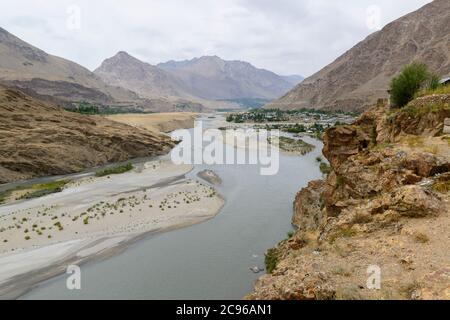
341 271
448 140
348 293
415 141
421 237
432 149
442 187
342 233
115 170
408 289
271 260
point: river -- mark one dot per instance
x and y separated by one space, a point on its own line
210 260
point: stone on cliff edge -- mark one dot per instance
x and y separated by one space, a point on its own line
447 126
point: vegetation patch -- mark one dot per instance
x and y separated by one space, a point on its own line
439 90
348 293
271 260
417 111
342 233
382 146
34 191
325 168
292 145
442 187
115 170
415 141
341 271
87 108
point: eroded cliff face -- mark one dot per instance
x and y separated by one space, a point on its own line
385 203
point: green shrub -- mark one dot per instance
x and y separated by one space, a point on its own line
325 168
408 83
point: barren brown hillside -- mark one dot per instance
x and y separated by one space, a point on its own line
359 77
40 139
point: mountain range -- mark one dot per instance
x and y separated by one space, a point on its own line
208 78
126 82
361 75
53 78
213 78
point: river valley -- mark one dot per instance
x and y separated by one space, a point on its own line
210 260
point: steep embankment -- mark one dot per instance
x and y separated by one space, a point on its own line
362 75
39 139
386 203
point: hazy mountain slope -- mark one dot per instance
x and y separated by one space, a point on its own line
29 68
40 139
212 78
147 80
361 76
293 79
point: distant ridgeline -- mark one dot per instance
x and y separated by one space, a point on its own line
249 103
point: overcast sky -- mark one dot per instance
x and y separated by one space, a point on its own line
284 36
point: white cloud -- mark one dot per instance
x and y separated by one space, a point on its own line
286 36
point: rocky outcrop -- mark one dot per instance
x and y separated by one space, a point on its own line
307 206
40 139
385 203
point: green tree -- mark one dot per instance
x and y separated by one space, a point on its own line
408 83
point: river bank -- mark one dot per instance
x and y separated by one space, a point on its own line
96 217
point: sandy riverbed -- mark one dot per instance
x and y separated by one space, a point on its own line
96 216
158 122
